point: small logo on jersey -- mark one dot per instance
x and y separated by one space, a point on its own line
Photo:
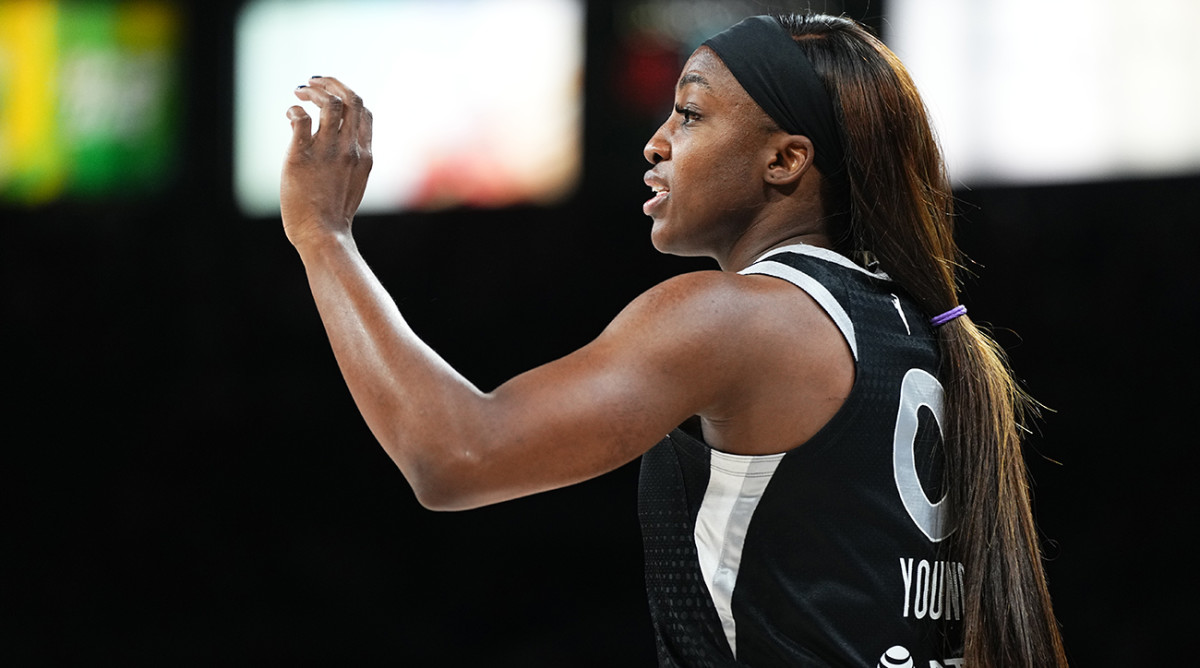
900 310
895 657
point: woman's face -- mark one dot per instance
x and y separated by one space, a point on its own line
709 159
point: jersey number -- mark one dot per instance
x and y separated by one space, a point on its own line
918 389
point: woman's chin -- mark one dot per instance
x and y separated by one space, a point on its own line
660 237
665 241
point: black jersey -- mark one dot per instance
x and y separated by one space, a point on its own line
826 555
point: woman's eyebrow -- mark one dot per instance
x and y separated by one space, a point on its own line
690 78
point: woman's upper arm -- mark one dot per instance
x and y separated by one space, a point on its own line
596 409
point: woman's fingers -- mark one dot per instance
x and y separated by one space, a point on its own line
351 102
341 108
331 107
342 115
365 130
301 126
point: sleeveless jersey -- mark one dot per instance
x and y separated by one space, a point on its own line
826 555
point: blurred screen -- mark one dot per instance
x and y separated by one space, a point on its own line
88 98
1036 91
476 102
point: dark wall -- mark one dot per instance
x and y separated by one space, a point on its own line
187 478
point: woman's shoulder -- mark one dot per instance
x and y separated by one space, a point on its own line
715 296
719 312
782 363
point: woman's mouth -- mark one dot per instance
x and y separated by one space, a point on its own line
660 196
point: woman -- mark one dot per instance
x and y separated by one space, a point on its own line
791 520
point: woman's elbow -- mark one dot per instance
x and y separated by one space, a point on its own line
440 498
444 484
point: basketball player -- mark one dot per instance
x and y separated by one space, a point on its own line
847 486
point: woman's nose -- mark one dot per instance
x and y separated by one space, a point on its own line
657 149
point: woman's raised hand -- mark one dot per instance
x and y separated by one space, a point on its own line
325 173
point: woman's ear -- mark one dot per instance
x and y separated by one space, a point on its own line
791 157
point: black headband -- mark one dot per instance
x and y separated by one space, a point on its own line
773 69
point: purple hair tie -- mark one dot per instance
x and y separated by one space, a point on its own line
948 316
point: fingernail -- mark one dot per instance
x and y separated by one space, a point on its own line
301 86
315 76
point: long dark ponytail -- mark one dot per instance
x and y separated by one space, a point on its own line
893 199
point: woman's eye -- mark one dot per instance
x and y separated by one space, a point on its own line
688 114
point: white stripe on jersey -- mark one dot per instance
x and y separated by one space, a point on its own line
735 485
815 290
823 254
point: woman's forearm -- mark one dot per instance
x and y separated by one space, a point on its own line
419 408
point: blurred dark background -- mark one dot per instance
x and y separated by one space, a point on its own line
187 479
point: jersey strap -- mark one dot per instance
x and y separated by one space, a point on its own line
814 287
